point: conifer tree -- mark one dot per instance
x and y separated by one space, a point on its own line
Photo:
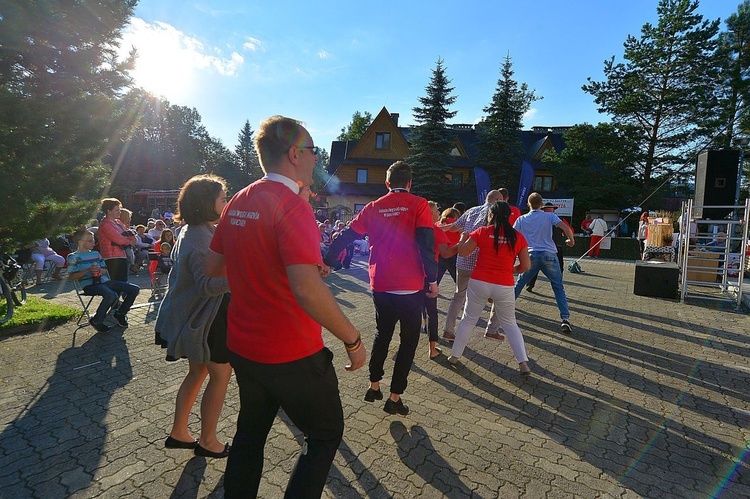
59 80
734 80
247 157
499 149
665 88
431 140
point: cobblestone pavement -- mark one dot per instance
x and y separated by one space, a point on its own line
647 398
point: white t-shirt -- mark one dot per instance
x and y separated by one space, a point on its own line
598 227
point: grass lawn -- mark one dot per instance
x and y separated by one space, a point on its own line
37 311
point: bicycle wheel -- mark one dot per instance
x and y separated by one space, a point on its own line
6 302
18 290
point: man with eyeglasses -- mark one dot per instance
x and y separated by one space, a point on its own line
267 245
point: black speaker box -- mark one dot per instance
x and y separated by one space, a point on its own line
716 182
657 279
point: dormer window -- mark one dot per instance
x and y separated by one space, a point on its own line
382 141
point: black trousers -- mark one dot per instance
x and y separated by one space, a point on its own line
389 310
307 390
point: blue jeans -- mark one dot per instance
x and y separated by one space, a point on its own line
549 265
109 291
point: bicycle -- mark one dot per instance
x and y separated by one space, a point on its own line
13 287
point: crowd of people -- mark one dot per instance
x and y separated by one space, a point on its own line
224 312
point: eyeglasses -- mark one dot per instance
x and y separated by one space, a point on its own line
314 149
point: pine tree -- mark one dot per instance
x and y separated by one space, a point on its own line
665 88
431 140
499 149
734 80
247 157
59 81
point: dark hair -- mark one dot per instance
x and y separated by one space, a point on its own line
109 204
275 137
500 211
398 174
197 200
161 236
80 234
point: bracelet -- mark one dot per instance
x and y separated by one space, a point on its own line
350 347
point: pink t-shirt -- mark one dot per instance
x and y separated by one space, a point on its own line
265 228
391 223
495 268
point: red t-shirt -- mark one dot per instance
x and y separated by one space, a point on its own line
496 268
265 228
514 214
440 238
391 222
453 237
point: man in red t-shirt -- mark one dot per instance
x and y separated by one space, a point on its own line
514 211
267 244
402 254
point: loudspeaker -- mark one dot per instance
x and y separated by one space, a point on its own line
658 279
715 182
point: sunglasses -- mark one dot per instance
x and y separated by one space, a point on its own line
314 149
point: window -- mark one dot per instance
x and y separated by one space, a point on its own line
458 179
542 184
361 175
382 141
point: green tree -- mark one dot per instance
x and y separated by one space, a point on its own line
320 172
499 149
597 166
665 88
431 140
59 80
734 81
165 146
357 128
247 157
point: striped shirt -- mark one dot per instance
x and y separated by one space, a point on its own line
78 261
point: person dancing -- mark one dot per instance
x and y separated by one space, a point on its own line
499 245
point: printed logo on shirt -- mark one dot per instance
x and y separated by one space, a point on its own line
240 217
392 212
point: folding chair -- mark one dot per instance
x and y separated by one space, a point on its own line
84 303
159 282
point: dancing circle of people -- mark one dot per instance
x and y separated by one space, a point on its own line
225 313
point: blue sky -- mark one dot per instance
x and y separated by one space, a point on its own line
319 62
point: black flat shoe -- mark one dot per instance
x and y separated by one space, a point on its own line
173 443
373 395
200 451
396 407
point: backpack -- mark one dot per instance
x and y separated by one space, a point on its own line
575 268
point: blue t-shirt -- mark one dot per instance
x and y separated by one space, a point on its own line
82 261
536 227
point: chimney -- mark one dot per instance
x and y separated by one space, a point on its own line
394 117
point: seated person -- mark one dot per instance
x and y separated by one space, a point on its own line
142 246
164 261
87 268
155 233
41 252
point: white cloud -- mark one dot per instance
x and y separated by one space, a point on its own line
252 44
529 115
168 60
322 54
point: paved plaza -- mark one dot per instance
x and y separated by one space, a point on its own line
648 397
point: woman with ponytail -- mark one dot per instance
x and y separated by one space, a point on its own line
499 246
